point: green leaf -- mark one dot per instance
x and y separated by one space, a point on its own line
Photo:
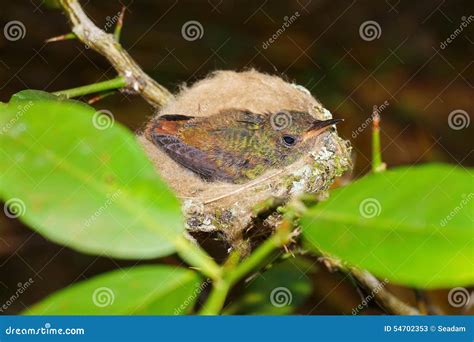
33 95
412 225
83 181
278 291
141 290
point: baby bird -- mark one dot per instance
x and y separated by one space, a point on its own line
235 145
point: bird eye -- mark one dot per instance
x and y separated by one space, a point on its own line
288 140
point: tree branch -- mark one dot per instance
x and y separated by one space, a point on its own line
109 47
377 289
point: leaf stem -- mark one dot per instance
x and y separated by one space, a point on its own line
114 83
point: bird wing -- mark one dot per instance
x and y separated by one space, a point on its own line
164 133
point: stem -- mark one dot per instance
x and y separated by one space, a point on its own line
216 299
118 27
377 164
115 83
231 276
195 256
254 260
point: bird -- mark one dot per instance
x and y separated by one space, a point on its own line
236 145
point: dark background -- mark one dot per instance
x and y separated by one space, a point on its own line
322 50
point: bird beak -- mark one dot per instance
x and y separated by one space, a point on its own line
319 126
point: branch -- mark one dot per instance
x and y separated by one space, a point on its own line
377 164
109 47
383 297
233 272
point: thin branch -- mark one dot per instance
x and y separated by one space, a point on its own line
232 272
107 46
377 164
377 289
115 83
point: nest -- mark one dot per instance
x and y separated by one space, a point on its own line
229 209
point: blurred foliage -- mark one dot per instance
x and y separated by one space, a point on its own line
280 290
126 292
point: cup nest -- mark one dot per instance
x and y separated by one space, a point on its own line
230 209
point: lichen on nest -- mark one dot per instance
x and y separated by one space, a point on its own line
229 208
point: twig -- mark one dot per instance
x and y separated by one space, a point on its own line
100 97
115 83
118 27
107 46
383 297
377 164
424 303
